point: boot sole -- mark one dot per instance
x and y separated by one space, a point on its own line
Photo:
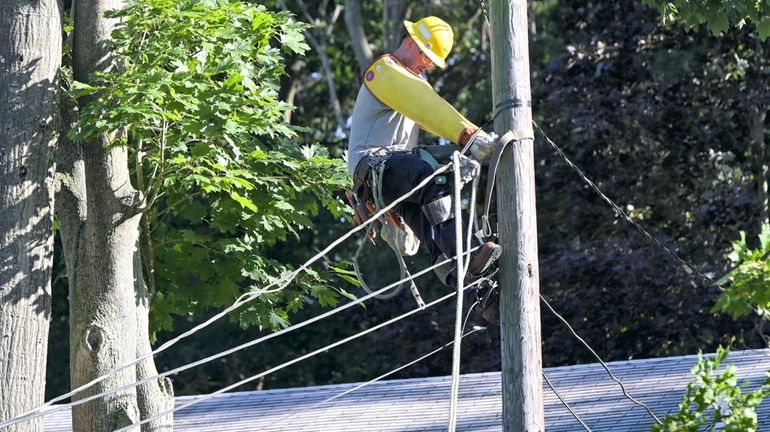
491 259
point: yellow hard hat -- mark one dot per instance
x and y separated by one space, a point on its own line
433 36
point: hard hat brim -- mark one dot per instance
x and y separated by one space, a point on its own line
438 61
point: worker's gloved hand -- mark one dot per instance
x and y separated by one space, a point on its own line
483 145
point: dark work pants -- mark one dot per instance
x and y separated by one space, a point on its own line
403 172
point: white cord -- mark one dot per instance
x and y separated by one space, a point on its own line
245 298
374 380
289 363
221 354
455 388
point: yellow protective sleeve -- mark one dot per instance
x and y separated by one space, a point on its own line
403 91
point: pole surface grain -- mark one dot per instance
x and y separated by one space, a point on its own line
517 223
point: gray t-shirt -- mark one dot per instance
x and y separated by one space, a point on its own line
374 126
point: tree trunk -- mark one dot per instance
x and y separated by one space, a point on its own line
355 26
759 151
319 41
102 303
393 12
87 314
109 303
30 58
334 101
758 97
759 155
100 251
154 397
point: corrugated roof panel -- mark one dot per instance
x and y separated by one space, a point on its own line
422 404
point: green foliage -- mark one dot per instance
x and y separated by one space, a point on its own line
197 92
749 281
715 401
717 16
207 68
658 117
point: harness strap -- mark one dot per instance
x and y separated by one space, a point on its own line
390 223
502 142
427 157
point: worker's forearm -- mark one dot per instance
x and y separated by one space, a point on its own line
403 91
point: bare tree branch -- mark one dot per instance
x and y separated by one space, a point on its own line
320 46
355 26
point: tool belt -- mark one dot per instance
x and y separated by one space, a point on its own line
365 197
361 186
361 196
435 155
363 191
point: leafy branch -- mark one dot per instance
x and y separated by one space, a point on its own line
716 401
748 287
717 16
198 94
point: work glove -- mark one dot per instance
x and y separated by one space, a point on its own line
483 145
469 169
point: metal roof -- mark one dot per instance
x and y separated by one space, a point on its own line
422 404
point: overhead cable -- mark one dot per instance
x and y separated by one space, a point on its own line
619 211
281 420
564 402
221 354
240 301
291 362
460 269
604 365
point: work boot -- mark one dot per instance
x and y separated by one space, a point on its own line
483 259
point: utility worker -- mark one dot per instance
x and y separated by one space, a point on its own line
393 102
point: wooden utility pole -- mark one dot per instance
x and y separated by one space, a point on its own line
517 224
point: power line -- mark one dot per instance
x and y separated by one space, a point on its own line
387 374
625 216
604 365
32 415
688 266
239 302
243 299
296 360
564 402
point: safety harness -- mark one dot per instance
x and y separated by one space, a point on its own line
366 199
396 87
